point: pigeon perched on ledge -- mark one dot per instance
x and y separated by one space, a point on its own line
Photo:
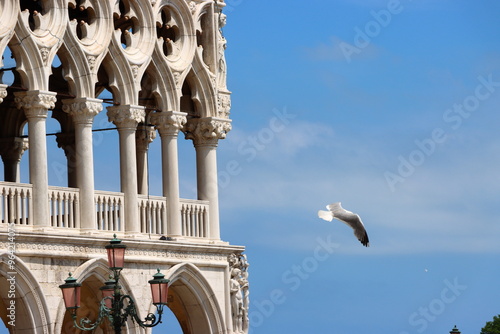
347 217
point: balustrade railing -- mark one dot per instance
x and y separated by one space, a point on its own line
153 214
109 211
194 218
16 202
63 207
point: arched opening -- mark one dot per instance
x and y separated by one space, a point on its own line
13 140
191 301
23 307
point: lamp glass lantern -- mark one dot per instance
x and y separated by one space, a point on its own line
159 288
71 292
108 291
116 254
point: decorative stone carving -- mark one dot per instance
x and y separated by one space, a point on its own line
224 104
144 136
3 92
126 116
35 103
91 60
238 284
82 110
13 148
207 130
168 122
221 58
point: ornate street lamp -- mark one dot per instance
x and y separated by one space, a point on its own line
114 305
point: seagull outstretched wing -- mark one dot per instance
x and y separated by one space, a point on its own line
347 217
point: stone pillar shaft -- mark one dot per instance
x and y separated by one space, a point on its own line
206 133
145 134
83 111
169 124
126 119
35 105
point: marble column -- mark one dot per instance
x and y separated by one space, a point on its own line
66 141
11 157
126 118
36 104
144 136
82 111
168 124
205 133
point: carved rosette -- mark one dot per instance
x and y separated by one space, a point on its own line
82 110
126 116
35 103
169 123
207 131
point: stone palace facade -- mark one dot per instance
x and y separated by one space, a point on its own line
162 65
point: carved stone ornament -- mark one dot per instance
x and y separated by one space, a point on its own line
168 122
238 267
126 116
91 61
207 130
35 103
82 110
13 148
3 92
223 104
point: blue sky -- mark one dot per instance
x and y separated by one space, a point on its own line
392 108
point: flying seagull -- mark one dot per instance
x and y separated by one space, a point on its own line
351 219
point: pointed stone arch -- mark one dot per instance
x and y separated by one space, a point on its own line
31 309
92 274
193 300
202 91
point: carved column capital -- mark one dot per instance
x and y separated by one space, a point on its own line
169 123
127 116
13 148
207 131
82 110
35 103
3 92
144 136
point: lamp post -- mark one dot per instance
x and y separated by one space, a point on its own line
115 306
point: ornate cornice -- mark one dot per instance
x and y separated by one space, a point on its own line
35 103
207 131
82 110
127 116
169 123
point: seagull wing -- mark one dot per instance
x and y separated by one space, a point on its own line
351 219
326 215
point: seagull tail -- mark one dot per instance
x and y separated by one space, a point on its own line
326 215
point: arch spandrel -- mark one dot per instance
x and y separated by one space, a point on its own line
86 42
38 35
7 23
175 33
131 47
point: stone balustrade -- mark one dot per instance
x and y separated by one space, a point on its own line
64 210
